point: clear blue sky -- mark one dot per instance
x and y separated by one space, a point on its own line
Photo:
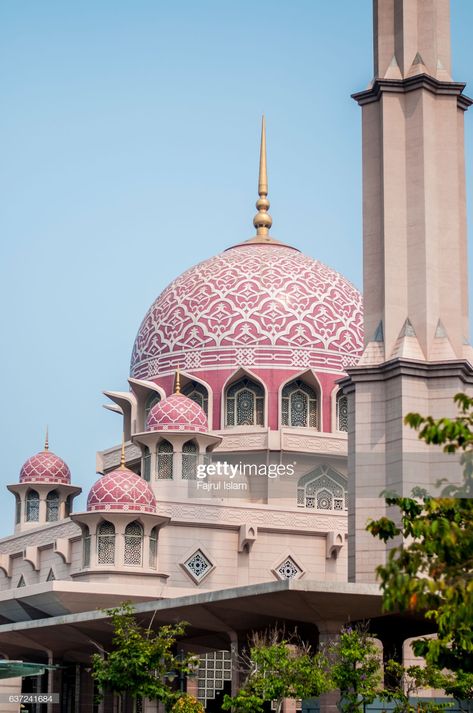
130 137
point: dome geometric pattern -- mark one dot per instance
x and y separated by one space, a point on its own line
45 467
253 305
121 490
177 413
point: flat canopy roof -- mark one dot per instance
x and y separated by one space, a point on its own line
213 617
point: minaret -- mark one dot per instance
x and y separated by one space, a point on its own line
415 270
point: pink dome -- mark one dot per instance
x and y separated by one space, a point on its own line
121 490
255 306
45 467
177 413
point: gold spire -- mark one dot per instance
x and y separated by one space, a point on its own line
46 440
122 458
177 382
262 220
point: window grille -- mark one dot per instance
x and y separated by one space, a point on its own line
198 393
190 455
153 548
215 668
342 412
17 509
164 461
52 506
32 506
147 464
133 544
105 543
198 565
299 406
323 489
151 401
245 404
86 547
288 569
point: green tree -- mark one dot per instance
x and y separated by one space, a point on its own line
431 570
355 668
278 667
142 660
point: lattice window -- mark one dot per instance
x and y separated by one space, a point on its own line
342 412
50 577
106 543
245 404
86 547
153 548
198 566
198 393
133 544
147 464
299 405
164 460
215 668
151 401
52 506
323 489
190 454
17 509
32 506
288 569
68 505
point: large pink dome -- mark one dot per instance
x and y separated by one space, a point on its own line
45 467
254 305
121 490
177 413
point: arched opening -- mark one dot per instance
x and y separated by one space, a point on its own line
164 465
147 464
299 405
106 543
244 403
52 506
153 548
17 509
342 412
85 546
133 544
151 401
198 393
323 489
190 455
32 506
68 505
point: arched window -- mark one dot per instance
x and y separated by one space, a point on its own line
17 509
323 489
85 546
164 461
153 548
245 404
133 544
32 506
151 401
198 393
299 405
190 454
147 464
52 506
342 412
68 506
105 543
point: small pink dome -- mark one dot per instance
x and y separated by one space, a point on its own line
177 413
45 467
121 490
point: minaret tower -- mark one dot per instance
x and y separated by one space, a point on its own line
416 354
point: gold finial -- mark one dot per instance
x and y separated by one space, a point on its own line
122 458
262 220
46 440
177 383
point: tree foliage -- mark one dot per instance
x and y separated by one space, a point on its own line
278 667
142 660
431 570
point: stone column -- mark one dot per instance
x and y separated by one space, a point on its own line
329 630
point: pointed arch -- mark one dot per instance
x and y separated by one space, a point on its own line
51 577
244 400
164 460
106 543
153 547
32 506
305 392
188 379
322 489
52 506
190 459
133 554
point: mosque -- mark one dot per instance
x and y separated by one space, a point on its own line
264 417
